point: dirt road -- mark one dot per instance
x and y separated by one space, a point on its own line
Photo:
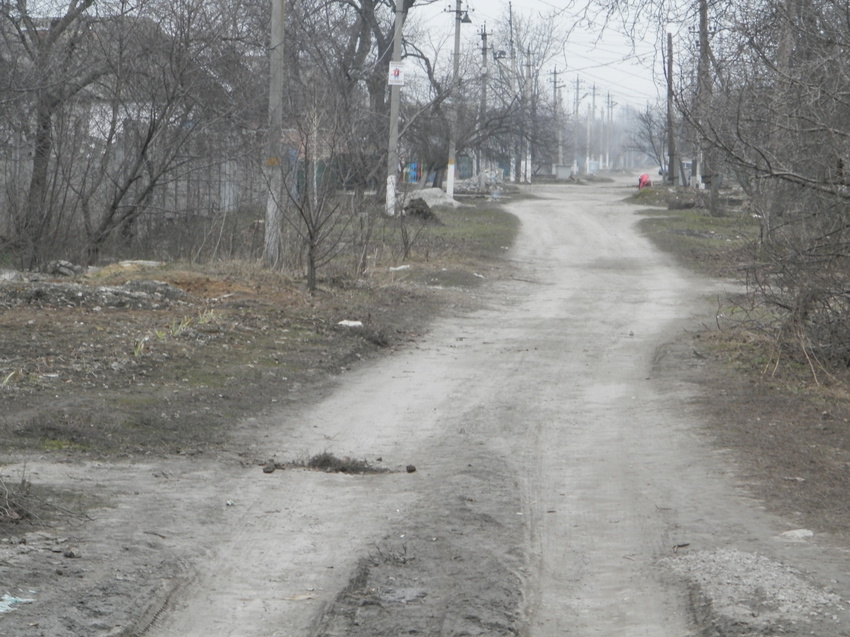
562 484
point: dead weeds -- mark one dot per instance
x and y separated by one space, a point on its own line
21 502
143 357
82 371
788 427
327 462
330 463
15 501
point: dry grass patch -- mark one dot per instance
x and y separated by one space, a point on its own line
330 463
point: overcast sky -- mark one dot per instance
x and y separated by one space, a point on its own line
610 63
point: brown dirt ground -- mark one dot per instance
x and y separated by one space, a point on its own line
161 360
789 430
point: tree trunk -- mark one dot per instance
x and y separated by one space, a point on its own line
36 215
311 266
274 159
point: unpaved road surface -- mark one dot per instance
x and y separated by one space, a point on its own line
562 483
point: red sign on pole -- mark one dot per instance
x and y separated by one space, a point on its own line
396 74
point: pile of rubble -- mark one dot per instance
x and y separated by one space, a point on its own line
51 288
139 295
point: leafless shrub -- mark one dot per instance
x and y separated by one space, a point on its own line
392 555
15 501
19 502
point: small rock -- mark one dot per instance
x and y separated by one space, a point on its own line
420 209
71 553
269 468
411 468
797 534
63 268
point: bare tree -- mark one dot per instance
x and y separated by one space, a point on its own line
116 107
56 65
772 107
519 110
648 133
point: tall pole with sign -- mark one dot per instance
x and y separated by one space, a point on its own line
396 80
450 172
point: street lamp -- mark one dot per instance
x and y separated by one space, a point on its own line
460 17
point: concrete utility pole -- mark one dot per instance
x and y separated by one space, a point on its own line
592 127
706 159
587 142
450 171
556 88
526 133
608 129
274 159
392 148
517 161
671 143
574 168
482 111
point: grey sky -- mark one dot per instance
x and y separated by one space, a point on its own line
609 61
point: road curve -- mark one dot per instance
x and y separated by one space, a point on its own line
558 465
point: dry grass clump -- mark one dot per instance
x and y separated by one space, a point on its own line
15 501
330 463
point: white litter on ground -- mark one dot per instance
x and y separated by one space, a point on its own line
7 602
797 534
